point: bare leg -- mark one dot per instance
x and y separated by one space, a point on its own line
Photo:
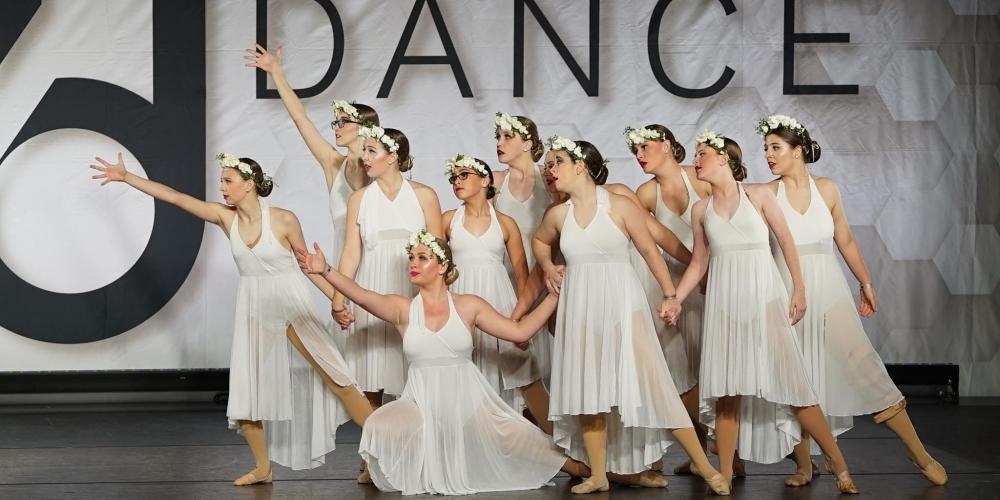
727 431
253 432
691 404
595 439
814 423
538 404
896 418
644 479
575 469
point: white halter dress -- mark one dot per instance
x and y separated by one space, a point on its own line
749 347
269 380
528 215
340 194
847 373
682 343
481 272
606 357
373 348
449 433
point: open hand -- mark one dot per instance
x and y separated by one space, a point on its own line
109 172
311 263
262 59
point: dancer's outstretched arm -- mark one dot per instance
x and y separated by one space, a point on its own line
391 308
328 157
487 319
204 210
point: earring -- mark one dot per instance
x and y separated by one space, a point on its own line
796 157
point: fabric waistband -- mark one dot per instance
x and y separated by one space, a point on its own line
429 362
822 247
597 258
739 247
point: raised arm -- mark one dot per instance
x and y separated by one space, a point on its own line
761 196
848 246
204 210
487 319
328 157
391 308
699 258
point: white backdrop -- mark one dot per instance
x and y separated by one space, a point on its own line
915 151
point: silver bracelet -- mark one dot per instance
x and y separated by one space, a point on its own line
672 296
866 285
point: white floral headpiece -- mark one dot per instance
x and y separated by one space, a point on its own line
712 140
557 142
227 160
422 237
637 136
774 122
504 121
347 108
378 133
465 161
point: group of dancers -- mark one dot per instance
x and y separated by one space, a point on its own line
547 291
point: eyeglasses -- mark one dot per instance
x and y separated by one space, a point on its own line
463 176
341 123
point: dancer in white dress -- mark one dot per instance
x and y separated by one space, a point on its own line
481 237
522 196
847 373
449 432
275 398
612 399
755 392
670 195
344 173
380 218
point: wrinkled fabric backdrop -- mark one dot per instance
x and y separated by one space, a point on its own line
915 150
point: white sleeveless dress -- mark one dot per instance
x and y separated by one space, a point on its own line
373 348
847 373
606 357
682 343
749 347
481 272
449 432
268 379
528 216
340 194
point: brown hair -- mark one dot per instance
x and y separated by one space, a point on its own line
491 190
366 115
675 147
597 166
810 148
405 161
735 154
264 185
537 148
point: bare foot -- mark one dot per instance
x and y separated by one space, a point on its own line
256 476
365 477
591 485
575 468
652 479
800 478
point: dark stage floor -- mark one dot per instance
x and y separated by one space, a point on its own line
141 451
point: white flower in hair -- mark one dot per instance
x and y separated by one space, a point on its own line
227 160
347 108
465 161
504 121
768 124
378 133
711 139
428 240
557 142
637 136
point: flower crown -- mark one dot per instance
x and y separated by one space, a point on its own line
504 121
422 237
557 142
227 160
347 108
378 133
463 161
637 136
774 122
712 140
